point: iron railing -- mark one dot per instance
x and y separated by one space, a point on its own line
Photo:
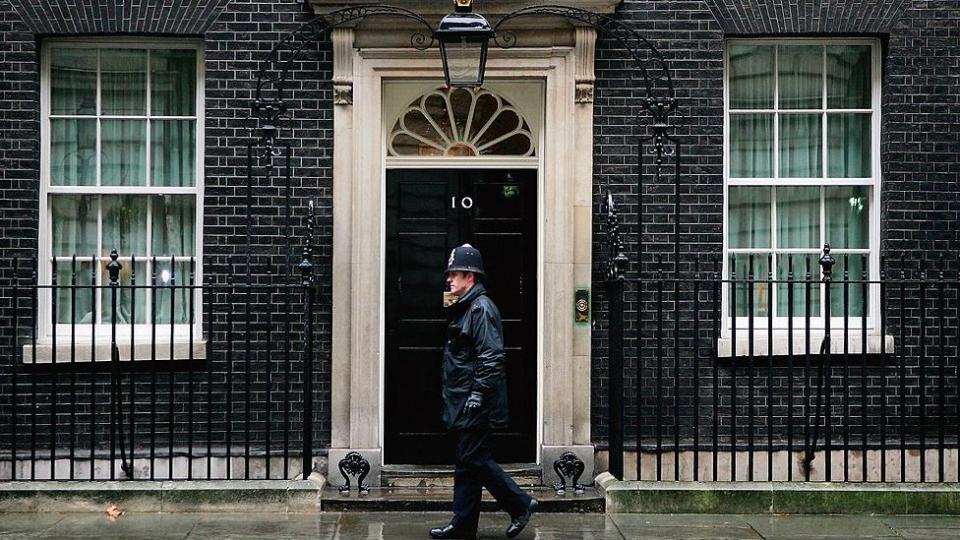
817 370
157 376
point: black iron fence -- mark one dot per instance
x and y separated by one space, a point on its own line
810 367
131 368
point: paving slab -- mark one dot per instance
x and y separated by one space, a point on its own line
929 534
809 526
922 522
414 525
688 520
26 525
126 526
265 525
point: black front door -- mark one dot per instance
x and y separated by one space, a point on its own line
429 212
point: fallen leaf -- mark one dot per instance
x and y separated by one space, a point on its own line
113 512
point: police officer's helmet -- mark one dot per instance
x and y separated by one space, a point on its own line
465 258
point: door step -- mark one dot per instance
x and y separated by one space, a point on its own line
440 499
441 476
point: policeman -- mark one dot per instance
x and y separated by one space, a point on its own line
475 400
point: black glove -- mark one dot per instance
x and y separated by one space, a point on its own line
472 406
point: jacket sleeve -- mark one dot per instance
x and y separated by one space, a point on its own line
487 349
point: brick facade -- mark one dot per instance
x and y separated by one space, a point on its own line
919 149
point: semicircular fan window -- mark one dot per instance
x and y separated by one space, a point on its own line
460 122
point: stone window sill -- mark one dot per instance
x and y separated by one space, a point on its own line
143 350
854 345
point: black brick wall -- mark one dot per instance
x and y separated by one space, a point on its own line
66 17
807 17
921 115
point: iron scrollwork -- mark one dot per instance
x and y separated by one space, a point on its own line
270 101
354 464
651 64
568 465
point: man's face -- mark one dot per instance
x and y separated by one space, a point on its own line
460 282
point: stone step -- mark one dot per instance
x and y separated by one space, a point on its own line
431 476
440 499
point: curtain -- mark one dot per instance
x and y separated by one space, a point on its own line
750 268
751 145
800 146
848 216
798 266
172 152
123 82
173 235
173 79
798 217
73 152
800 72
751 80
74 232
73 81
749 216
849 77
849 142
123 156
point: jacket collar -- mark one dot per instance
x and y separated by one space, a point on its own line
464 302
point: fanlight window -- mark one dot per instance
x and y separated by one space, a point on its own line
460 122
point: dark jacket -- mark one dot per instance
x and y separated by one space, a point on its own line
473 360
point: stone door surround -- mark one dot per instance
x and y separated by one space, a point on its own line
565 67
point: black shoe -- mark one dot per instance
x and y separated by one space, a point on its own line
519 522
450 531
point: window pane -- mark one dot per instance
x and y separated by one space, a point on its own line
854 264
751 77
124 159
848 77
798 217
749 217
173 225
170 278
124 225
172 152
73 223
73 81
847 213
750 275
800 69
123 76
792 273
848 151
74 305
800 146
73 152
125 306
173 82
751 145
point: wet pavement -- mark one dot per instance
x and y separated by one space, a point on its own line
397 525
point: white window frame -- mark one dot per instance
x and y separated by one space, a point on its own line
101 332
781 323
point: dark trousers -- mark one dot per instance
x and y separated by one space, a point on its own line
476 470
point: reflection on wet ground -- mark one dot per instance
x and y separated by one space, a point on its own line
403 525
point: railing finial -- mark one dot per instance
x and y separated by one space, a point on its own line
114 267
826 263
